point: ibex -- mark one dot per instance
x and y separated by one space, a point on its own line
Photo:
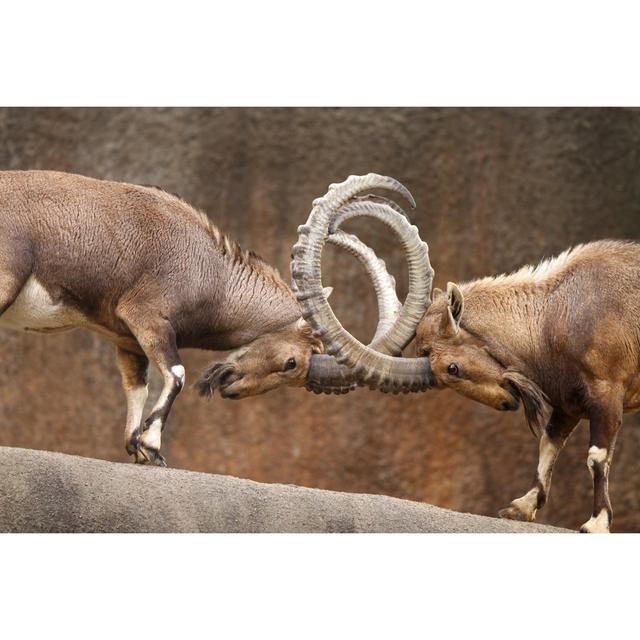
152 274
562 338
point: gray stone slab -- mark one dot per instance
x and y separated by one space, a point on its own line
42 491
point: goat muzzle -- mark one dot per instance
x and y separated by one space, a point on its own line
219 376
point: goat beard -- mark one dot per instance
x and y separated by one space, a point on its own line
537 409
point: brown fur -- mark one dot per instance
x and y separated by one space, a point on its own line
263 367
152 274
534 400
228 246
563 335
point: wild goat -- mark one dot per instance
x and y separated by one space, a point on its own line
152 274
563 337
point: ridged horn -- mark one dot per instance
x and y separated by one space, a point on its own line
325 375
384 283
370 367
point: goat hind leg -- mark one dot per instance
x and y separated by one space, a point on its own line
133 369
158 341
605 422
553 439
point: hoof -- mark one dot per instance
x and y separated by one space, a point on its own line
513 513
132 446
147 455
133 443
597 524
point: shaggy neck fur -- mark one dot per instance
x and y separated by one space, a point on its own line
258 301
512 309
515 315
254 299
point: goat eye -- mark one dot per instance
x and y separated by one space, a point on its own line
290 364
452 369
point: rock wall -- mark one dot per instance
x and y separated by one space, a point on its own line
495 188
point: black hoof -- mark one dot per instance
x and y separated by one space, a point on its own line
133 443
148 455
132 447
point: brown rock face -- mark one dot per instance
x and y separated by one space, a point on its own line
495 188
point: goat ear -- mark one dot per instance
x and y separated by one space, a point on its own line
436 293
455 306
327 292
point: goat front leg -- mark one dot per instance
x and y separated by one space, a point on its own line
552 441
133 369
158 341
604 423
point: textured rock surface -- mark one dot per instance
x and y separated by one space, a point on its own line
53 492
495 188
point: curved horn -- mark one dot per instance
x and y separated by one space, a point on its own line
374 197
384 283
371 368
325 375
420 272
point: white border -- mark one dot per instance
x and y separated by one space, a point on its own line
334 52
318 586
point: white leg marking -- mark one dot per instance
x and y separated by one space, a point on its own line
548 455
178 372
136 399
528 504
596 455
597 524
152 437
